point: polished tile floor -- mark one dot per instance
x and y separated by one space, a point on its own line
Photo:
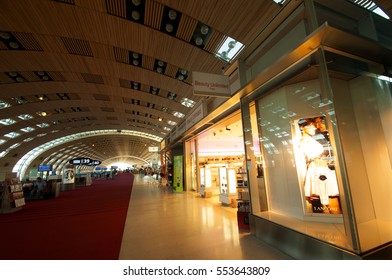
163 225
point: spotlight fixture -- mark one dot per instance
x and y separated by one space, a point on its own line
201 35
154 90
135 10
42 113
135 59
160 66
171 95
170 21
228 129
182 74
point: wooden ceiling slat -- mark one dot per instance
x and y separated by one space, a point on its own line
116 7
30 76
186 28
215 42
148 62
145 88
5 79
2 46
121 55
76 46
28 41
153 14
98 38
56 76
171 71
124 83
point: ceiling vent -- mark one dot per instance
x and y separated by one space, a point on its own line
76 46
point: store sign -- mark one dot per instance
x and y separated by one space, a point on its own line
195 116
206 84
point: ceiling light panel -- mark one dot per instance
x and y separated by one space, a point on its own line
25 117
155 15
4 104
182 74
170 21
9 40
43 76
135 59
154 90
7 121
160 66
16 76
200 35
135 10
19 100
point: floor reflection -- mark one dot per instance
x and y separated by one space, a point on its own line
166 225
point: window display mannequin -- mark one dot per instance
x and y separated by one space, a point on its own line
320 183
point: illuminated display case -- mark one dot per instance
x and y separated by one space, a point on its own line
243 199
227 185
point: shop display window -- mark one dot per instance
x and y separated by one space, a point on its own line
325 153
315 162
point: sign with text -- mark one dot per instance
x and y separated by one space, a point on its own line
206 84
195 116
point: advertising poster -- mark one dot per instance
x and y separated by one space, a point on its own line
178 174
317 166
68 175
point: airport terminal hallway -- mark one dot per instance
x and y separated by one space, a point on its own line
162 225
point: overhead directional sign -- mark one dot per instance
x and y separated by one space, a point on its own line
85 161
95 162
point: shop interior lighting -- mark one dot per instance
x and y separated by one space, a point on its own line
42 125
4 104
2 141
42 113
12 135
7 121
172 122
28 129
178 114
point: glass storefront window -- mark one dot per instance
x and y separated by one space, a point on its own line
363 105
326 152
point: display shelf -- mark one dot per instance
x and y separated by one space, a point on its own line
12 198
227 183
243 199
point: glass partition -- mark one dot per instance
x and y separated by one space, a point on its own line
363 106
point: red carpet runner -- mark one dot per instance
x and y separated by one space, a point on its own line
84 224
